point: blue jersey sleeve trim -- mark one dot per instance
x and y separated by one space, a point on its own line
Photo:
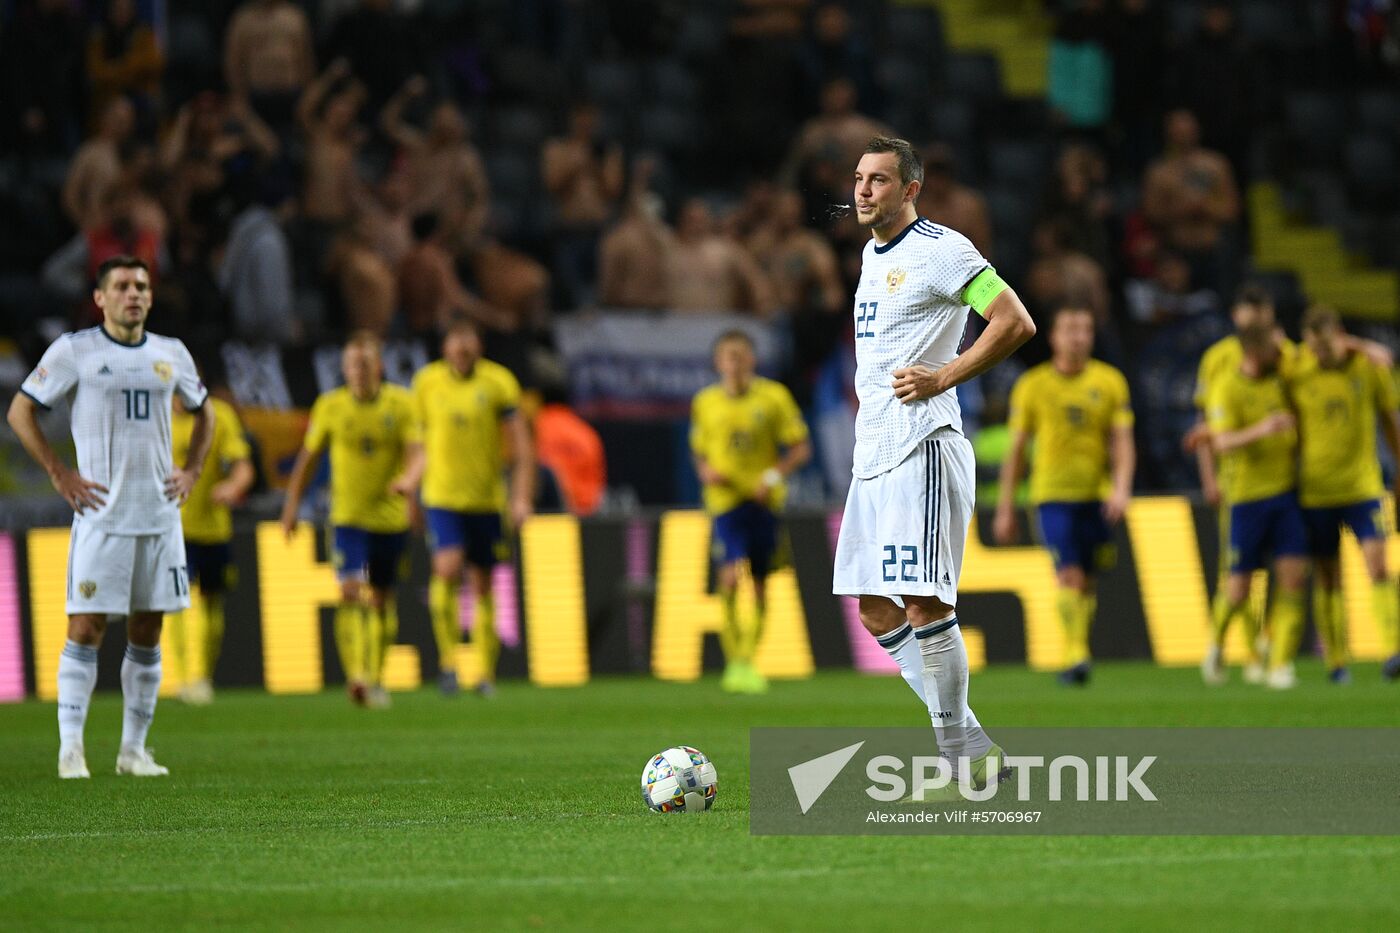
35 399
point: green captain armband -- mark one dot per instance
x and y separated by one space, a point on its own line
983 290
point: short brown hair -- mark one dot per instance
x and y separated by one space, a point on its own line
1255 295
367 339
1320 318
911 167
733 334
120 262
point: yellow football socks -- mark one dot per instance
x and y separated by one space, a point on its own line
445 612
350 639
1285 628
1387 612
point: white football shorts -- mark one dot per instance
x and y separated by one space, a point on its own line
903 532
122 574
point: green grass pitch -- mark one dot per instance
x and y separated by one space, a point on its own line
523 813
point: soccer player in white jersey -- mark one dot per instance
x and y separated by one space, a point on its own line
127 552
907 512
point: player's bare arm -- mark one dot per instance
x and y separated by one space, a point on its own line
230 490
1009 325
1123 456
296 484
522 480
1004 525
407 482
1390 430
708 474
78 492
182 478
793 459
1267 426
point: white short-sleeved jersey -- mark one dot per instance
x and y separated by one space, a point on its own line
908 310
120 397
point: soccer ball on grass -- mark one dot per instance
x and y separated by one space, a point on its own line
679 780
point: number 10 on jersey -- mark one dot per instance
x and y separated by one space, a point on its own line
865 319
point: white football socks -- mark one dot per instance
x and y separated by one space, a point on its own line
77 675
140 686
944 675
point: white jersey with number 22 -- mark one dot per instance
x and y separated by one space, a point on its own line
909 310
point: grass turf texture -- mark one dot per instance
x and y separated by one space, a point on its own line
304 813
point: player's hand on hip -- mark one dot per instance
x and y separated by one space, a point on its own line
915 383
1114 507
179 483
1004 526
1280 421
79 493
401 486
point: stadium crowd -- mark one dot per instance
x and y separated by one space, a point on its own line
296 171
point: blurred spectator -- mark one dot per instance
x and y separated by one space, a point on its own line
1167 296
583 175
709 272
255 276
366 285
512 281
446 174
431 292
41 67
830 144
944 201
635 254
1189 196
214 142
383 217
382 45
834 50
1062 275
97 166
1079 201
1212 75
572 451
126 222
268 58
1139 75
800 265
124 60
327 111
1081 72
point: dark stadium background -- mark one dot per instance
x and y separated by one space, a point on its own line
387 160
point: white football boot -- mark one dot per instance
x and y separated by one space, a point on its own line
1213 668
139 762
72 763
1282 677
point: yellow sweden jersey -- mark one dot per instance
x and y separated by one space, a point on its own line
1337 411
367 441
1268 466
460 417
1225 356
741 436
1071 419
203 519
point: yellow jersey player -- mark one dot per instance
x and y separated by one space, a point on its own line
1077 410
208 524
370 428
747 437
463 403
1340 395
1253 309
1254 432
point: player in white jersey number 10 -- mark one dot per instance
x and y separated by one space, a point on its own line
911 498
127 552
